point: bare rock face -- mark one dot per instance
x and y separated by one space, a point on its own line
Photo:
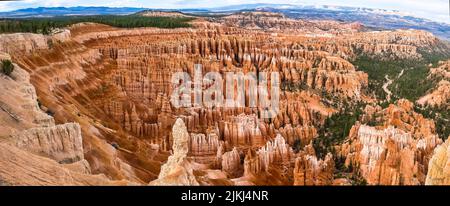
19 108
440 95
18 167
275 152
243 130
397 151
34 150
181 170
439 166
231 163
311 171
22 42
162 14
62 143
269 165
399 44
177 171
261 20
204 148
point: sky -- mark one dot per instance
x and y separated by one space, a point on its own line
437 10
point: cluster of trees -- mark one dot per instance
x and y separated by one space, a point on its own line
441 117
7 67
337 128
351 172
411 85
377 69
47 25
334 132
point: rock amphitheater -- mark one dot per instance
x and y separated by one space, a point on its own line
91 106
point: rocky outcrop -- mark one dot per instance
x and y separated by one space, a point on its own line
18 167
397 151
177 171
204 149
22 42
278 22
34 150
231 163
275 152
243 130
180 170
439 166
398 44
19 109
311 171
62 143
440 95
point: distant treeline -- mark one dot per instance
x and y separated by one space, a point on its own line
46 25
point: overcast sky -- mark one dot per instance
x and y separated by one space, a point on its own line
437 10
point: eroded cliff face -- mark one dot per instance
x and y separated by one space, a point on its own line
35 151
279 22
108 91
177 170
62 143
18 167
396 150
181 170
309 170
440 95
25 42
439 166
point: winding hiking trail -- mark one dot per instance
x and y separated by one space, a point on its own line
389 82
385 85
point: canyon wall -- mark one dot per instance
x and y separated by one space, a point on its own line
439 166
35 151
105 114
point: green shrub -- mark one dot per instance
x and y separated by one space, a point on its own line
411 85
7 67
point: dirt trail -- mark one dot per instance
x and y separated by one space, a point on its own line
389 82
385 88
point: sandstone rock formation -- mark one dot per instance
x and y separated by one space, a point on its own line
62 143
397 150
279 22
35 151
231 163
439 166
105 114
440 95
22 42
162 14
177 171
309 170
18 167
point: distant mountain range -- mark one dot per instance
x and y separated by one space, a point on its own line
68 11
373 18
